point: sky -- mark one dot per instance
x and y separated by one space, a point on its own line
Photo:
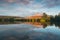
29 7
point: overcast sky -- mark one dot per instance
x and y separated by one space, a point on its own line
29 7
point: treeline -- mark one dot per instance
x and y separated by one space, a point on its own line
45 20
6 19
55 18
52 18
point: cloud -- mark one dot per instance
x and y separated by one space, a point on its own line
27 7
45 3
51 3
17 1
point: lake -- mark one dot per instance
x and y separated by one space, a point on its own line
28 32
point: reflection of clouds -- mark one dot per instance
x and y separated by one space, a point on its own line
42 36
21 27
36 24
25 32
27 35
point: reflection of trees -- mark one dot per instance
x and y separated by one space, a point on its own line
44 25
55 20
46 20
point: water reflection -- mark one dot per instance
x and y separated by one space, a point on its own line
44 25
36 24
28 32
33 30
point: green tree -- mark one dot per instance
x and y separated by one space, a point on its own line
44 14
11 19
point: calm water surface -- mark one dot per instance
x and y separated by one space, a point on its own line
28 32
